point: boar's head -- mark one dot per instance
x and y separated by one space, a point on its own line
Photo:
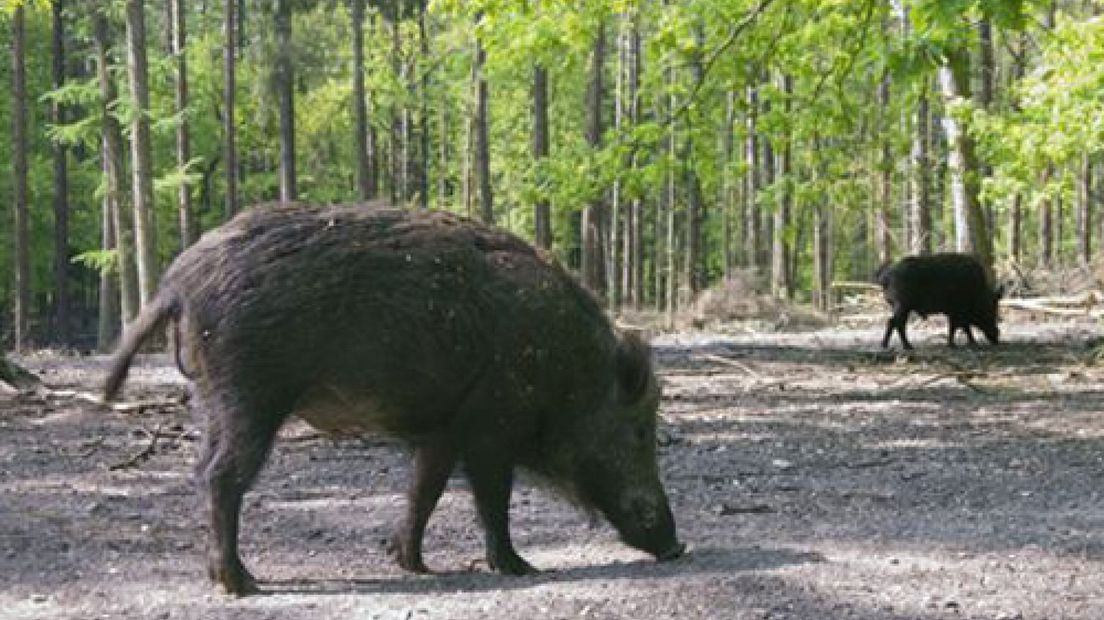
613 460
987 322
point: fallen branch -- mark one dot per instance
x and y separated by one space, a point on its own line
16 378
92 446
701 372
765 385
121 407
149 450
962 376
727 361
1085 304
881 462
977 388
847 285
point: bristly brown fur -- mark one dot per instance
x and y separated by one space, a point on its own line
456 336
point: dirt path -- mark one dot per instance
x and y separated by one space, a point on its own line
814 477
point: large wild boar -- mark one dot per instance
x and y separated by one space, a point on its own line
457 337
952 284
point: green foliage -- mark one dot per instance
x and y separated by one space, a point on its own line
102 261
836 52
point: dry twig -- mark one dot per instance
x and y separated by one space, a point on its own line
121 407
149 450
727 361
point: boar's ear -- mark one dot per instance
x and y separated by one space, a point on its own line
999 293
634 367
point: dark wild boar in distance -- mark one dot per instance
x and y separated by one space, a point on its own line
949 283
459 338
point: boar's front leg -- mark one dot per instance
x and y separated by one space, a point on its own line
492 478
970 341
433 462
952 327
898 321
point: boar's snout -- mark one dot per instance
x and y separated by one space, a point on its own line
647 524
673 553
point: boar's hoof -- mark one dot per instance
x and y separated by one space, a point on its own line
235 579
510 564
406 556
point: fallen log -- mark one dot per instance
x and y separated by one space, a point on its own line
1089 303
15 379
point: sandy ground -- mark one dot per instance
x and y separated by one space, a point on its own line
813 475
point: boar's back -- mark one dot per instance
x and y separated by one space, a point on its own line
385 319
937 283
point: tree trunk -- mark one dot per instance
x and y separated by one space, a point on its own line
659 281
822 256
920 220
634 237
671 230
241 20
467 173
108 315
423 113
21 311
671 204
61 187
1085 215
229 89
883 238
1046 227
987 66
115 174
397 161
781 284
1015 228
542 215
728 185
443 159
821 284
695 208
615 261
183 136
1015 213
594 214
285 87
1046 208
482 137
749 234
971 233
1059 230
360 106
986 81
141 155
768 163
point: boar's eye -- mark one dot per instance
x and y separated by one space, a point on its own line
640 434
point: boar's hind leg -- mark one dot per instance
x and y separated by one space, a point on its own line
433 462
491 482
235 447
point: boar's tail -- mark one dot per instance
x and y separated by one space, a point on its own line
163 307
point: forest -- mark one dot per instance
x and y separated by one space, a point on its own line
656 148
725 176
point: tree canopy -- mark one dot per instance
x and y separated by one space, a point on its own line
735 134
